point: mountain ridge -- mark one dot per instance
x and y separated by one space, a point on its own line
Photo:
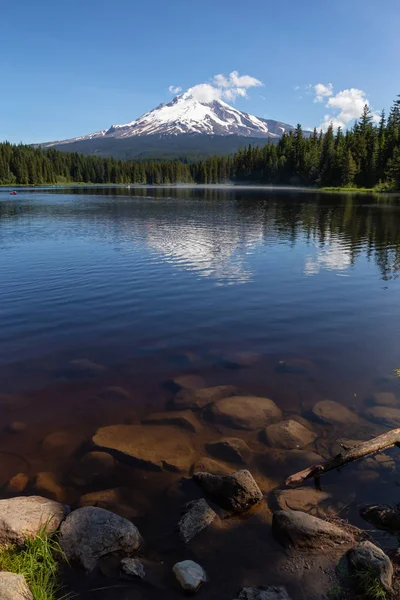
176 124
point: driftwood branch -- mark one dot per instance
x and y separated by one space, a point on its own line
386 440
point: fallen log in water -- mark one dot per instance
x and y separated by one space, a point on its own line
386 440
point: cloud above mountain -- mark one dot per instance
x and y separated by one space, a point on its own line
344 106
222 87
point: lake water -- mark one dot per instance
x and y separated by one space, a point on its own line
287 294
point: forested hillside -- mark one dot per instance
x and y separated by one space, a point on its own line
365 156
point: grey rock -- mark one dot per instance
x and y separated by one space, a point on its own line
14 587
190 575
24 517
270 592
236 492
198 398
369 556
198 515
334 413
244 412
288 435
90 533
132 567
299 530
230 449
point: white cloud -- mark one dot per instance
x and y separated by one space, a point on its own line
344 107
227 87
174 89
322 91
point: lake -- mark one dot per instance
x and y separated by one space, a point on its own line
109 296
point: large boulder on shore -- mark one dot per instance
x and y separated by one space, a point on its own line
90 533
288 435
368 557
14 587
297 529
24 517
244 412
155 447
236 492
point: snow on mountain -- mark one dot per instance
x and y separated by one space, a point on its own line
187 115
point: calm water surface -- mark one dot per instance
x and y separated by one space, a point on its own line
151 283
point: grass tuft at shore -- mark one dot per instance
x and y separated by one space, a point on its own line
38 560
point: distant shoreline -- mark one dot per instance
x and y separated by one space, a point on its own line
344 190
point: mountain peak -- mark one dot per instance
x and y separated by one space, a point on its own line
186 114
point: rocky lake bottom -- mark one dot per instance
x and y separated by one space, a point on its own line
117 439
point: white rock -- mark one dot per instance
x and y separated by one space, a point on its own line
22 518
14 587
190 575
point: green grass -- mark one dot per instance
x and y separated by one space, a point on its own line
38 560
368 584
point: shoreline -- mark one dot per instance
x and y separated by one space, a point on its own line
271 187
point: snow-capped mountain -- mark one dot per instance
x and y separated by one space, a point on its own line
187 115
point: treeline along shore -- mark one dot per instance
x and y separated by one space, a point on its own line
366 156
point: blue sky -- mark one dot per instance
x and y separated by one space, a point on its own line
71 68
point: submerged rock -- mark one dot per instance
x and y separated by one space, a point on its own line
190 575
114 393
188 382
16 427
93 469
24 517
197 517
236 492
184 419
208 465
47 483
305 499
244 412
132 567
90 533
150 446
368 557
199 398
267 592
384 415
62 444
14 587
382 516
334 413
288 435
299 530
230 449
384 399
17 484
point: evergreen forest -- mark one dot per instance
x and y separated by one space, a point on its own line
365 156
